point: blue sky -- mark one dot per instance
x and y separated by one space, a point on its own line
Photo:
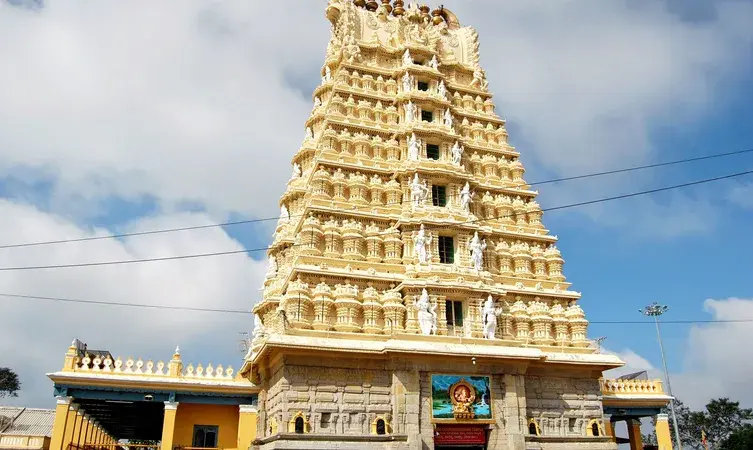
194 118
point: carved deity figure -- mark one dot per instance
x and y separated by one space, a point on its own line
477 247
272 268
407 82
465 197
296 171
317 102
434 64
489 318
284 214
448 118
309 134
479 79
351 51
411 112
407 58
421 242
259 330
442 89
414 148
327 74
418 192
427 314
457 153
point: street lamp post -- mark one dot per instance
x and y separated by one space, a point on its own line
655 310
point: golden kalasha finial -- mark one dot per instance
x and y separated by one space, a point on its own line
424 10
387 6
359 3
372 5
399 9
437 15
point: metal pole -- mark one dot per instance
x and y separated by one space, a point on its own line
655 310
669 385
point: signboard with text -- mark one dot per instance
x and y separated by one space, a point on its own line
459 435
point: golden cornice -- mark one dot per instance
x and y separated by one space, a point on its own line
344 122
238 386
298 341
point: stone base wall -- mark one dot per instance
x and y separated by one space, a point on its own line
565 407
340 401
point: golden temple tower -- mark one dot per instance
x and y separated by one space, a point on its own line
414 298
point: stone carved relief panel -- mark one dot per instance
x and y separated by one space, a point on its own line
563 406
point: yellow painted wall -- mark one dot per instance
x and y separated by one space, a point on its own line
223 416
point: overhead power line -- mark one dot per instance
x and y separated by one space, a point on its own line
269 219
234 252
246 312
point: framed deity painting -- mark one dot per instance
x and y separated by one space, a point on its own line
461 398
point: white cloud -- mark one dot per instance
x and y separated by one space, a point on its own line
36 333
717 362
188 100
742 195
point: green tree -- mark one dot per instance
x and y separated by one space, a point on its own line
742 439
9 384
720 420
724 418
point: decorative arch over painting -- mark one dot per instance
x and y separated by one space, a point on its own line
599 427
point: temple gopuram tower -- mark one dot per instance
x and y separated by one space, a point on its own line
414 298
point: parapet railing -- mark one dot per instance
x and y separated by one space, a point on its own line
138 366
628 387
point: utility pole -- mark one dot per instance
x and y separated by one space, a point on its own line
655 310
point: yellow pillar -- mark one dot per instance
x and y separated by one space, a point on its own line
609 427
663 437
168 425
79 428
634 434
246 426
84 430
60 424
70 428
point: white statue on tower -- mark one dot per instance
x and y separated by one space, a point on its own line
489 318
427 314
411 112
465 197
448 118
296 171
434 64
327 75
309 134
272 268
414 148
259 330
407 58
442 89
317 102
407 82
457 153
477 247
418 192
284 214
421 241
